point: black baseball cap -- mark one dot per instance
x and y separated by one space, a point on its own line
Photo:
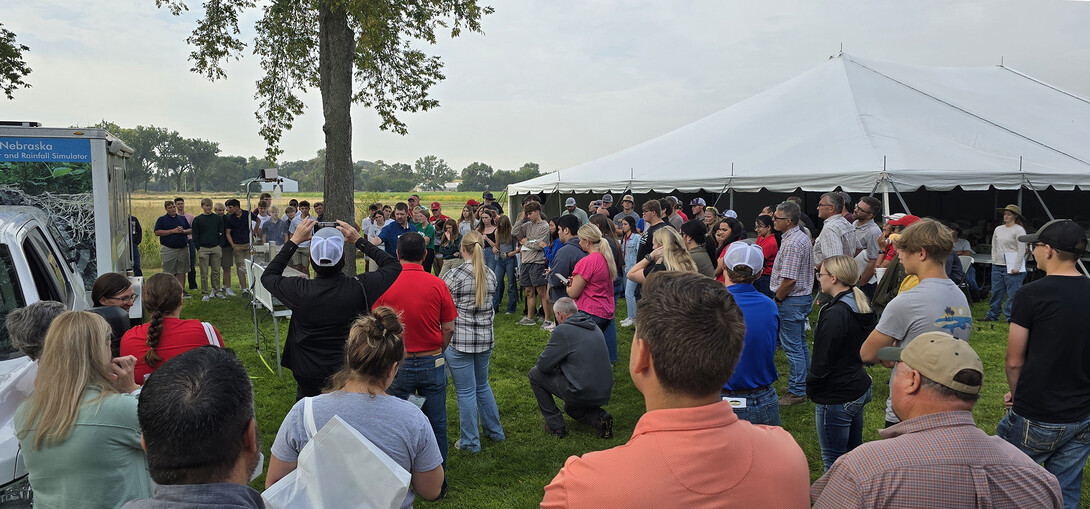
1061 234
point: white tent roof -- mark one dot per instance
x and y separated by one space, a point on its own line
936 127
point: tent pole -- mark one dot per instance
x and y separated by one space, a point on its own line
899 197
732 199
726 185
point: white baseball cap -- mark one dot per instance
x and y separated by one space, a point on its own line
740 253
327 247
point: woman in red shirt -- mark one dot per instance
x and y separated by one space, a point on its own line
766 238
166 335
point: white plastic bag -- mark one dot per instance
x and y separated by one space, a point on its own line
339 468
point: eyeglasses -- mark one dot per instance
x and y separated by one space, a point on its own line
435 210
777 218
130 298
1035 245
824 205
821 274
863 210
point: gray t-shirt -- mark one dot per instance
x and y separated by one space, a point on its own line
394 425
934 305
866 235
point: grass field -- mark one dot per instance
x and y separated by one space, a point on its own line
513 473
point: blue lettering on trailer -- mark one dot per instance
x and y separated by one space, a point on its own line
39 150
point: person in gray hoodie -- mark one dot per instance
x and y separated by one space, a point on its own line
574 367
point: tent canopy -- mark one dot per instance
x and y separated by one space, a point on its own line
852 122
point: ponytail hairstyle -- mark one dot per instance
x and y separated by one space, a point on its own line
162 296
592 234
472 243
503 229
846 271
374 345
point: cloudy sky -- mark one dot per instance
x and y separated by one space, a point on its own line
553 82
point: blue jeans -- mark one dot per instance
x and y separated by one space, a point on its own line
840 427
421 376
630 298
470 374
793 313
136 261
970 278
1003 285
505 268
609 330
1061 448
761 407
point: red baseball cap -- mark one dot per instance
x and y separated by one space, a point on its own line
473 202
905 220
435 205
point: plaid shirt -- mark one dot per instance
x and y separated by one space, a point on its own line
795 260
936 460
473 327
837 238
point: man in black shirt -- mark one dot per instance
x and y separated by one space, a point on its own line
652 217
1048 359
323 308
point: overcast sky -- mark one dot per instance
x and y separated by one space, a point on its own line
557 83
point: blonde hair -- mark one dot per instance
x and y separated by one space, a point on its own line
472 243
927 235
76 356
592 234
674 254
846 271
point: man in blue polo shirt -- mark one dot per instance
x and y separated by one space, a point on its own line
750 387
238 224
173 230
390 233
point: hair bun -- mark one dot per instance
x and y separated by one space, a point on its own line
387 321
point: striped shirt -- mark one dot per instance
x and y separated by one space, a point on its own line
936 460
794 260
837 237
473 326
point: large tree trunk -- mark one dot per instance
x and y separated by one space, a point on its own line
336 50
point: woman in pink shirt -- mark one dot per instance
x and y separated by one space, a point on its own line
591 284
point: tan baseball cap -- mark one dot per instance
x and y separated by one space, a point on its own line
938 356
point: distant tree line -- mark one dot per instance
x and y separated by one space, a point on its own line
164 160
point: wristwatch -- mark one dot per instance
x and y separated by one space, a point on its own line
777 299
649 259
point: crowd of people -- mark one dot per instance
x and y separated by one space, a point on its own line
377 349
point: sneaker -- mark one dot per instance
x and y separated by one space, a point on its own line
549 326
561 432
229 292
186 296
220 295
206 298
527 321
458 445
245 292
509 313
792 400
627 322
604 425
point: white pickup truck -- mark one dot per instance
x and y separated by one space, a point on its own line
32 267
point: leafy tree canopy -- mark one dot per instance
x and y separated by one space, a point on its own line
12 66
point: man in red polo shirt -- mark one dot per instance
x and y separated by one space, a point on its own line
437 214
428 313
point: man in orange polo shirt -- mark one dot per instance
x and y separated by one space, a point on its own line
428 313
689 449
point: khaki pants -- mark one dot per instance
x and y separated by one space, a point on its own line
209 257
175 260
241 250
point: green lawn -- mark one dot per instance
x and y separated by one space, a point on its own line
513 473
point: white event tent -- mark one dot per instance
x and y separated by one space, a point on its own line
865 126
